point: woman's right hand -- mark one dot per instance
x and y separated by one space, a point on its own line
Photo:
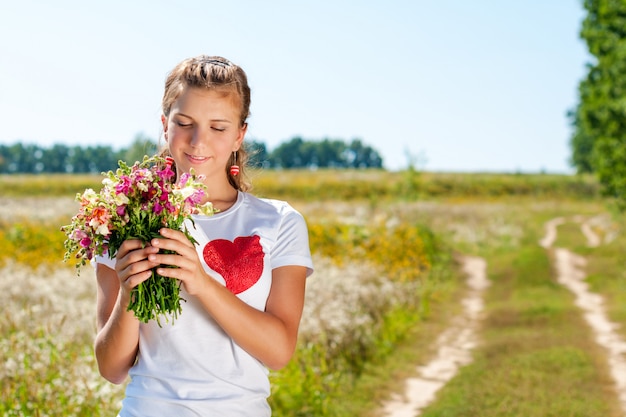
132 265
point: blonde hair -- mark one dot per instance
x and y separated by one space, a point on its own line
218 74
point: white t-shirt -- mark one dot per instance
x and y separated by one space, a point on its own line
191 367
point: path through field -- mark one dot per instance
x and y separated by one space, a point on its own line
455 344
454 347
569 267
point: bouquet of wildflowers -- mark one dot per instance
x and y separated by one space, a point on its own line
135 202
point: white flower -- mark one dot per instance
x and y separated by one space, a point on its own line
185 192
90 195
142 186
121 199
103 230
207 209
108 183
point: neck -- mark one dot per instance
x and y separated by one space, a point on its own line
222 198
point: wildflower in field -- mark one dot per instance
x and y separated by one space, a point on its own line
135 202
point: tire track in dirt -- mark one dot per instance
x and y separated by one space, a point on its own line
454 348
570 271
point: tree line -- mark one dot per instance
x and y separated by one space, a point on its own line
21 158
599 121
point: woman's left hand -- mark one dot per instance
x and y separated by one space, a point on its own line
187 266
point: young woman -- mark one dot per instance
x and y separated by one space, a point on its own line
243 283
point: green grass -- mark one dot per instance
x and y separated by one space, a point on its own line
570 236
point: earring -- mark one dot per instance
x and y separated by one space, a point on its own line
234 168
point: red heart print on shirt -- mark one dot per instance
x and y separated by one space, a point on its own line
240 263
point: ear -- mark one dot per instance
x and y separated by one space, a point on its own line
242 133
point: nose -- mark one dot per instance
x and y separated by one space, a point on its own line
199 137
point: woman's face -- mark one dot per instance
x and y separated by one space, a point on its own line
203 130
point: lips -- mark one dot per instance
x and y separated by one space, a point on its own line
196 159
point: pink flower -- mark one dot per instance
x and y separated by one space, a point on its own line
195 198
166 173
182 182
171 208
78 234
123 187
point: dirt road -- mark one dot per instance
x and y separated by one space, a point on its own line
455 344
570 271
454 348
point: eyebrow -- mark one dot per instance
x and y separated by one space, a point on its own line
212 120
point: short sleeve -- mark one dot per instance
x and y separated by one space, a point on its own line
105 260
292 242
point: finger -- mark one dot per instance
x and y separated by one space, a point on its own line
124 260
133 280
175 246
128 246
176 235
172 259
135 268
170 272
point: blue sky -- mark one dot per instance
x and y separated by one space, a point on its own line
459 85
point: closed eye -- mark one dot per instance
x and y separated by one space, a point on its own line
219 129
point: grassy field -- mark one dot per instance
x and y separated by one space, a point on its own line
386 283
537 357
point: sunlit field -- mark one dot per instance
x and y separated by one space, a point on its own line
387 280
